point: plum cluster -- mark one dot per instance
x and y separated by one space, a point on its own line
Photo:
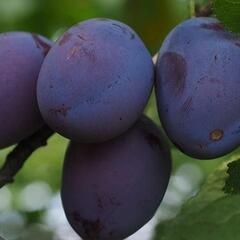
92 85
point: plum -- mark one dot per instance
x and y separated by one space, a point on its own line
111 189
21 55
197 88
95 81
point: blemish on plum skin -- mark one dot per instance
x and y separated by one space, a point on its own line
202 146
153 140
213 26
173 67
78 50
41 44
209 80
111 233
92 100
236 132
125 30
63 110
99 203
113 201
216 135
81 37
237 43
73 52
111 85
65 38
186 107
91 228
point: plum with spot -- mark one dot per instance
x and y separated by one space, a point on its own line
197 88
21 57
111 189
95 81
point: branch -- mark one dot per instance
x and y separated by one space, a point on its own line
16 159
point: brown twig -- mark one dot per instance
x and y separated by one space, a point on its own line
16 159
204 10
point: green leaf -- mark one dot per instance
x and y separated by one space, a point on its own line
232 185
227 11
210 215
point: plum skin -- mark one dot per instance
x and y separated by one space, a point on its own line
21 55
95 81
111 189
197 88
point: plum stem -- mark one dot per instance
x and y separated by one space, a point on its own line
192 8
18 156
205 10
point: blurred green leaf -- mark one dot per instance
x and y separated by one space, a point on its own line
227 11
38 232
44 165
154 20
210 215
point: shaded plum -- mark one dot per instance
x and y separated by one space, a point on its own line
111 189
95 81
197 88
21 57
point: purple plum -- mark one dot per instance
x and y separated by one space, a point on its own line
198 79
95 81
111 189
21 55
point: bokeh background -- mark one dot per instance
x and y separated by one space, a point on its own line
31 207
